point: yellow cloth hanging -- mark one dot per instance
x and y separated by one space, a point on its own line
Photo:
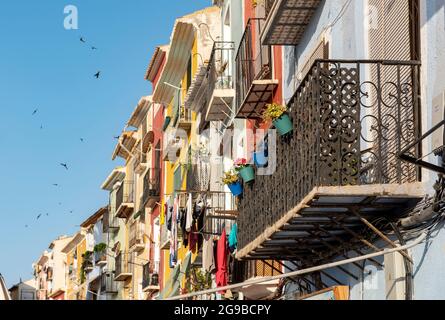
162 217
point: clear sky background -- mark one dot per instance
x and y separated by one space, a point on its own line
45 67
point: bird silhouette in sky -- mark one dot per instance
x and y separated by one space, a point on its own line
55 185
97 75
117 137
82 40
35 111
82 139
38 217
71 211
41 127
93 48
47 214
64 165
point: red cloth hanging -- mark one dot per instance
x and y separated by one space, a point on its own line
222 252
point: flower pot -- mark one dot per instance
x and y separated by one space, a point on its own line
260 159
247 174
283 124
236 188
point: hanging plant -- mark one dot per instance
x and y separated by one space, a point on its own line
277 113
101 247
245 170
231 179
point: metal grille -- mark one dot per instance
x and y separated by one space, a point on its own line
253 60
348 130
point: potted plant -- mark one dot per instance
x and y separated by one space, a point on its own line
245 170
277 114
231 179
260 155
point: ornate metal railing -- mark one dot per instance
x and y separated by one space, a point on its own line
152 184
149 278
107 283
125 193
253 60
121 265
136 234
351 120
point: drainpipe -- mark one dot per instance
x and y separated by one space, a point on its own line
303 271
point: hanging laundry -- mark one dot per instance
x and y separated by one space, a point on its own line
174 233
164 209
189 217
182 223
222 254
194 239
233 238
169 218
208 257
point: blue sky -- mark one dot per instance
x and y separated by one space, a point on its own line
45 67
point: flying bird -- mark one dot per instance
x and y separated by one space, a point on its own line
82 40
41 127
55 185
117 137
35 111
64 165
97 75
38 217
82 140
47 214
93 48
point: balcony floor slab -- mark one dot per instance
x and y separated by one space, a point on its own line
309 226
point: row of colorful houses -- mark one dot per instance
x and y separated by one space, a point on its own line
306 108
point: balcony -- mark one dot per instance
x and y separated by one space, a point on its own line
221 213
339 174
122 268
249 270
140 160
185 118
254 83
136 238
125 200
220 84
287 21
110 220
172 145
150 280
107 284
100 258
152 188
147 141
165 237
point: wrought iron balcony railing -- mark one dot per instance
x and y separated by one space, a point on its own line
122 267
150 279
351 119
152 187
107 284
254 83
220 82
111 222
221 213
136 237
125 199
